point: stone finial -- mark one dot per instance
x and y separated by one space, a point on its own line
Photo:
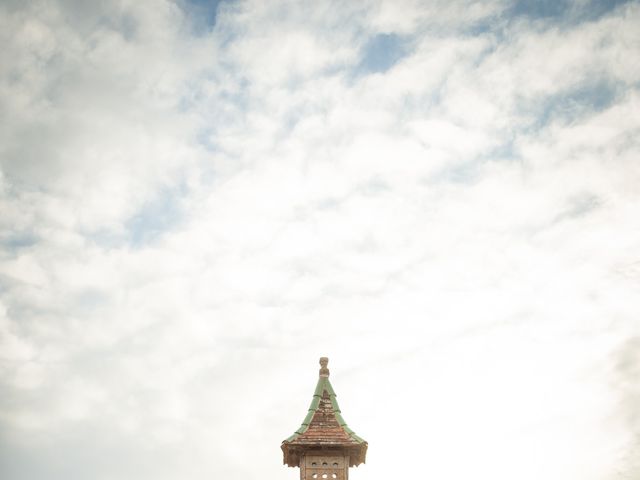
324 371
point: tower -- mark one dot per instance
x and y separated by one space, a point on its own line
324 447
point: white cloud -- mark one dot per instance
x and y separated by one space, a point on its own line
189 218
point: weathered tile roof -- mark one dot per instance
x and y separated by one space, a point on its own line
324 427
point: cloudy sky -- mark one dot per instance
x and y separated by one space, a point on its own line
200 199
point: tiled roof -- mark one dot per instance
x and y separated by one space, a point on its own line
324 427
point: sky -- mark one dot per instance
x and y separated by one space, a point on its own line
199 199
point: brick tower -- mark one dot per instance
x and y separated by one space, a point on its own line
324 447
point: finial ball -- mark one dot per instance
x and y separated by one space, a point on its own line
324 371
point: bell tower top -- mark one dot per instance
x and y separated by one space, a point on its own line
324 446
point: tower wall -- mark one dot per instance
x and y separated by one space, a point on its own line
319 466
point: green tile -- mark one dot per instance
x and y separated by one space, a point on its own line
322 385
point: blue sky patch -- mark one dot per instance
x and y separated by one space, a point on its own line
18 240
540 8
203 14
584 99
382 52
157 216
564 9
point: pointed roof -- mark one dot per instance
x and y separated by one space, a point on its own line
323 427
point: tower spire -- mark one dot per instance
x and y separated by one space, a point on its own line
324 446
